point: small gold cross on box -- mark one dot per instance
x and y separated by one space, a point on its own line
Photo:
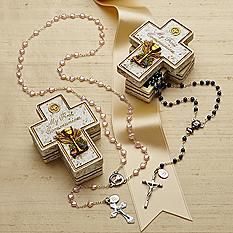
69 132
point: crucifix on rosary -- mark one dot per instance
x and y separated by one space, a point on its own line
154 185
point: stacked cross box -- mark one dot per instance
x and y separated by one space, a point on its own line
174 62
56 116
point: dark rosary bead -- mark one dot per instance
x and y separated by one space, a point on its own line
219 93
217 88
181 157
207 82
174 160
160 98
169 85
182 150
216 106
194 83
208 117
212 83
165 103
185 99
195 109
161 165
170 104
196 102
201 82
192 99
184 138
178 101
214 112
218 100
181 85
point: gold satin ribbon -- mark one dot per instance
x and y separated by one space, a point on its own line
147 125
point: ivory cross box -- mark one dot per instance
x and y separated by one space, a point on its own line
69 132
174 58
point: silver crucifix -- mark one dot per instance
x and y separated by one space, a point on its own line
117 209
152 185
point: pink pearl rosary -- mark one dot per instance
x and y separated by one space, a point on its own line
115 179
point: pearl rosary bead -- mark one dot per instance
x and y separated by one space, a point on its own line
20 59
81 79
143 165
123 161
107 132
83 98
62 63
25 44
94 187
25 88
102 115
104 123
144 149
56 18
100 84
41 93
63 16
101 27
92 52
91 80
48 24
90 17
131 136
22 51
82 16
101 42
20 66
98 109
18 74
137 144
108 88
135 172
112 140
70 196
20 81
91 102
68 57
63 77
72 16
123 152
73 203
102 35
68 89
146 157
76 55
97 21
90 204
72 78
36 33
118 146
76 189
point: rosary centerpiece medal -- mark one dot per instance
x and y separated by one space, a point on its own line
69 133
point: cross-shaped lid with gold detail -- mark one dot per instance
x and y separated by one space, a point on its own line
154 50
69 132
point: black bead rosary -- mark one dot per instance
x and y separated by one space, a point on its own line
195 125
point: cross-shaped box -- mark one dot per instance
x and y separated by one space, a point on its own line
174 58
69 132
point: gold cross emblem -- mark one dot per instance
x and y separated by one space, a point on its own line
150 51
